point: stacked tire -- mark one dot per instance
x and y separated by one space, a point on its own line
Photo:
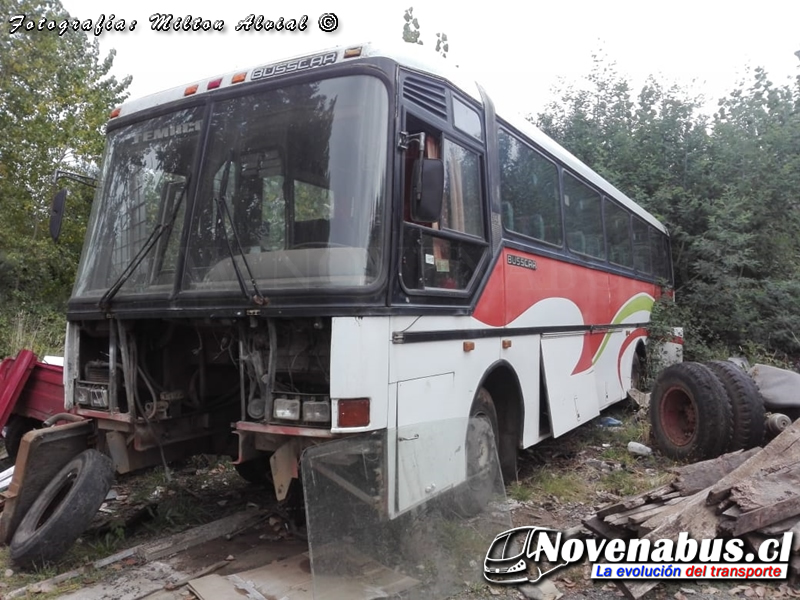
700 411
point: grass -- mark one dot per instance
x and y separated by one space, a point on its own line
563 486
592 460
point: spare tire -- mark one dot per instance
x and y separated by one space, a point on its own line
690 413
63 510
749 415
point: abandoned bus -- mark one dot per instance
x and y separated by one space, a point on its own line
350 242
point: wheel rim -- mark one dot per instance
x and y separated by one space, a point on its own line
480 441
678 413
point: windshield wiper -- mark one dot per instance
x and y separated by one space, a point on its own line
155 235
223 207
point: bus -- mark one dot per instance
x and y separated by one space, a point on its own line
352 242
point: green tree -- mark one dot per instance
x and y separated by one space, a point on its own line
55 97
725 185
411 27
411 33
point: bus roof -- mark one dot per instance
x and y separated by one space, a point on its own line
411 56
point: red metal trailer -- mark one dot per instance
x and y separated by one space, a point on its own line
31 392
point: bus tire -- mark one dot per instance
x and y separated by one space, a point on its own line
63 510
256 471
690 413
483 472
16 428
749 414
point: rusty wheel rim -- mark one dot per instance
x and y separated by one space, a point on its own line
678 412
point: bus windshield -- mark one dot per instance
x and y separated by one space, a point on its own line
290 192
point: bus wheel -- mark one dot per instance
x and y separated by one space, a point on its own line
63 510
637 371
483 475
256 471
690 413
747 404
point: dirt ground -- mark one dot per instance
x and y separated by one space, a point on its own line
594 470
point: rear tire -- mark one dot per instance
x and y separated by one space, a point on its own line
690 413
63 510
749 415
256 471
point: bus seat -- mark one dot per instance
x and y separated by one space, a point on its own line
576 241
537 227
508 215
311 231
594 246
532 226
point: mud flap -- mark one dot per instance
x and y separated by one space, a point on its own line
429 552
42 454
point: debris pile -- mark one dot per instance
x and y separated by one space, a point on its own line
753 495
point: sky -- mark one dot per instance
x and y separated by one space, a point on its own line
520 53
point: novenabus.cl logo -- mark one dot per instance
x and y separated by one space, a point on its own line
515 557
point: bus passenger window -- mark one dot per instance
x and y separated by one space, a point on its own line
530 192
584 218
619 234
641 247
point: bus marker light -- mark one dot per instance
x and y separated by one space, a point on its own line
115 112
212 85
353 412
506 344
239 77
352 52
469 346
190 90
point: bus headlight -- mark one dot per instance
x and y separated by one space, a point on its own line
316 412
287 409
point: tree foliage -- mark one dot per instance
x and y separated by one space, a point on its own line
727 186
411 33
55 97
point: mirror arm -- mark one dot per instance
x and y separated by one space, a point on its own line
84 179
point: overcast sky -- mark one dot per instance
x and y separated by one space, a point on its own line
519 54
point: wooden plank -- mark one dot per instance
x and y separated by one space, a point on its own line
213 587
733 512
699 476
640 518
766 488
598 526
767 515
784 450
633 501
781 527
794 566
622 518
198 535
620 507
697 517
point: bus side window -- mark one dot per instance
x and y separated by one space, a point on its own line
429 259
529 190
584 219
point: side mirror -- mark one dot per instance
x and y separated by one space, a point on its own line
57 214
427 190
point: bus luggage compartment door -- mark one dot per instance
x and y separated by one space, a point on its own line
572 396
430 439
